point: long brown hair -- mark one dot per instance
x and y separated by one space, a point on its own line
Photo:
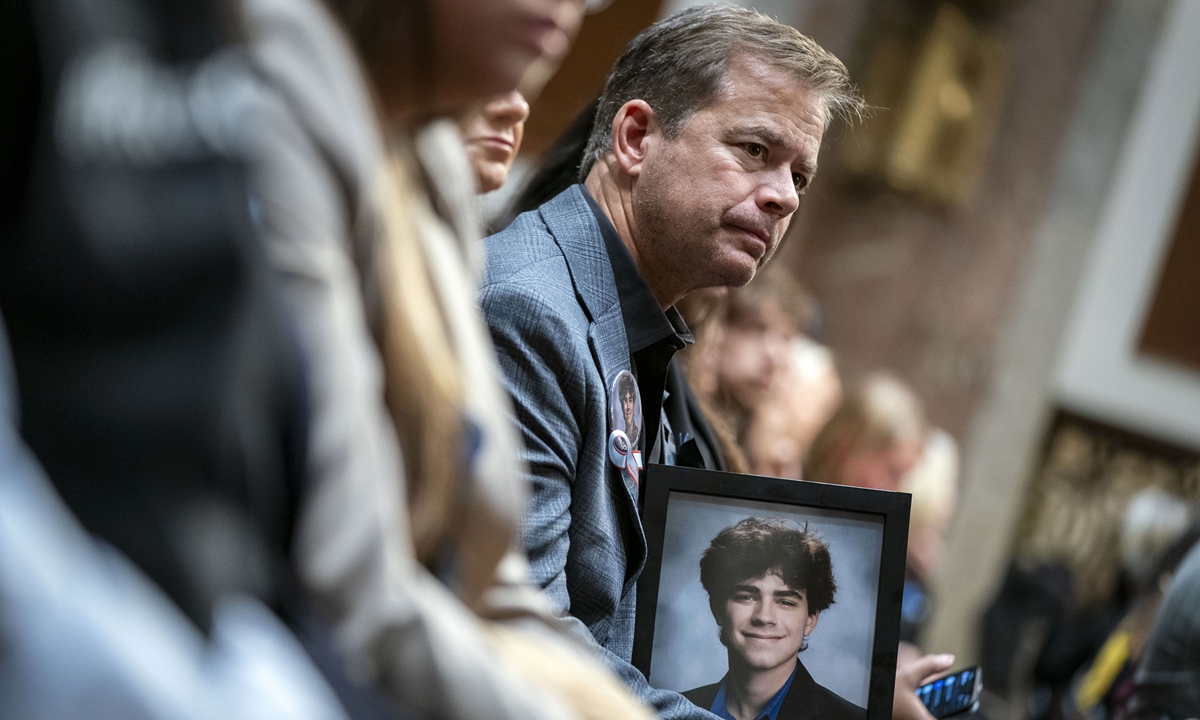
422 374
423 378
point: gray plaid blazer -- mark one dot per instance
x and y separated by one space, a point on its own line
550 300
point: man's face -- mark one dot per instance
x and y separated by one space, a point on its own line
765 622
627 407
712 205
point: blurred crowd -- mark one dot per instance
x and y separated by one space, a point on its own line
257 448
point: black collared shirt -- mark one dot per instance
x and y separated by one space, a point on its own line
654 337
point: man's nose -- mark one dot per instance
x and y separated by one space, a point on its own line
777 195
763 613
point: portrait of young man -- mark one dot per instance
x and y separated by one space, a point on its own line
627 397
706 134
768 583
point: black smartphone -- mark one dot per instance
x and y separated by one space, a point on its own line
953 694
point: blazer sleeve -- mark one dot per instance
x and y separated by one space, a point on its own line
539 354
544 357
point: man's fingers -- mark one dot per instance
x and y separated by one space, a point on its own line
925 667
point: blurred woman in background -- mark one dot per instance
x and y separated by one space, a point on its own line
874 439
772 386
784 425
493 135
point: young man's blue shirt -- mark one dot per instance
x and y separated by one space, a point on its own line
769 712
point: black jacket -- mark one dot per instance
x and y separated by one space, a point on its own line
805 700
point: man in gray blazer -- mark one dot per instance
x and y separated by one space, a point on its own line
706 134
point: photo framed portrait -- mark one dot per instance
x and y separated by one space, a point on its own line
755 582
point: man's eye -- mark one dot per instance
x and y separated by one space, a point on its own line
799 181
755 150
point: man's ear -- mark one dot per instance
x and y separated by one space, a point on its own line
634 130
812 623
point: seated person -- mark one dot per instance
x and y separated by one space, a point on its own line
492 135
767 584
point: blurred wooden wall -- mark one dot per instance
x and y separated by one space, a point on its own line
1172 330
583 72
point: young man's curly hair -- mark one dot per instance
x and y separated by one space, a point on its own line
753 548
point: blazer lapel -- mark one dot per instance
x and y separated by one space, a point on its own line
798 703
574 228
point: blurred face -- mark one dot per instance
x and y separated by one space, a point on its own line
712 204
487 47
698 306
882 469
754 353
765 622
627 407
493 136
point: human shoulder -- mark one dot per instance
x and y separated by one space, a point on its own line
808 700
523 247
527 286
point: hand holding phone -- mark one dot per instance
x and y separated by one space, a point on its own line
953 694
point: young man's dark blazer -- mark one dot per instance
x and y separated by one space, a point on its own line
806 700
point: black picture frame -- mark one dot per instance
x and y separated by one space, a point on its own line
660 481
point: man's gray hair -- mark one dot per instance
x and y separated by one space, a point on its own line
678 64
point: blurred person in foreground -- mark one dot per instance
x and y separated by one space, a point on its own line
85 633
157 380
369 215
707 132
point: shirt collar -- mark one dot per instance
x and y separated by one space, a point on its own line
769 712
645 322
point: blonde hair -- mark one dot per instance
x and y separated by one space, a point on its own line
933 483
879 412
423 377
